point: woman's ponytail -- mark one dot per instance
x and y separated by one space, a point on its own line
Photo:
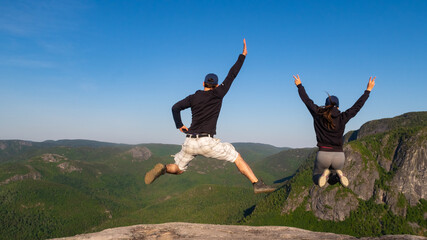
326 113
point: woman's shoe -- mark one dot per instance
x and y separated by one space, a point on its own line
324 178
343 179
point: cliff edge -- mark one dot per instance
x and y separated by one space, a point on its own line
180 230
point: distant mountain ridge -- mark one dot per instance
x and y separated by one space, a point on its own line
411 119
19 150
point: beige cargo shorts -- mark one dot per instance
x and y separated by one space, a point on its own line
205 146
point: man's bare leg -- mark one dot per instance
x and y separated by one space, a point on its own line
245 169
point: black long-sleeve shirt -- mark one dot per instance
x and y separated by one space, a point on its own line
331 139
206 105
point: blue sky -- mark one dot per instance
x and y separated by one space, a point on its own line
111 70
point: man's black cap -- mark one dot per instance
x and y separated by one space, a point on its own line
211 79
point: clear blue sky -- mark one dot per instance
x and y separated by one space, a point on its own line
111 70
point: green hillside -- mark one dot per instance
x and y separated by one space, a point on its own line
63 188
213 204
255 151
275 169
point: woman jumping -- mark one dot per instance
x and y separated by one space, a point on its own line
329 125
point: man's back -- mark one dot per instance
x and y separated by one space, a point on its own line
205 109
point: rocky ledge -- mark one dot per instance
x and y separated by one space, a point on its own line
208 231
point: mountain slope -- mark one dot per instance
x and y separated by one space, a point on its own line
61 188
256 151
387 170
279 167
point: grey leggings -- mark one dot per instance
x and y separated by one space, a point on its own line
327 160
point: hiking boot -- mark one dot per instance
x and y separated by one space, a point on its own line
261 187
154 173
324 178
343 179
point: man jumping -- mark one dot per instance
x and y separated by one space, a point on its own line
205 108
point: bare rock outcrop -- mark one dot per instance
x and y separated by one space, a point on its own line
68 168
327 204
33 174
333 204
410 177
139 153
53 158
63 164
361 173
295 200
208 231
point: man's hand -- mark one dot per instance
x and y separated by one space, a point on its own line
297 80
245 51
371 83
183 129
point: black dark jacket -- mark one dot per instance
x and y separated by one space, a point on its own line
206 105
331 139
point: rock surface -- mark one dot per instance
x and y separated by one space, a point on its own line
208 231
68 168
411 175
139 153
332 205
53 158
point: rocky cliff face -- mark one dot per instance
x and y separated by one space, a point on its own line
386 162
410 176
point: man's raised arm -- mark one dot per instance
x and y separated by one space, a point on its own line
222 89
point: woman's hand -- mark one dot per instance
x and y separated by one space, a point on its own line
297 80
371 83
